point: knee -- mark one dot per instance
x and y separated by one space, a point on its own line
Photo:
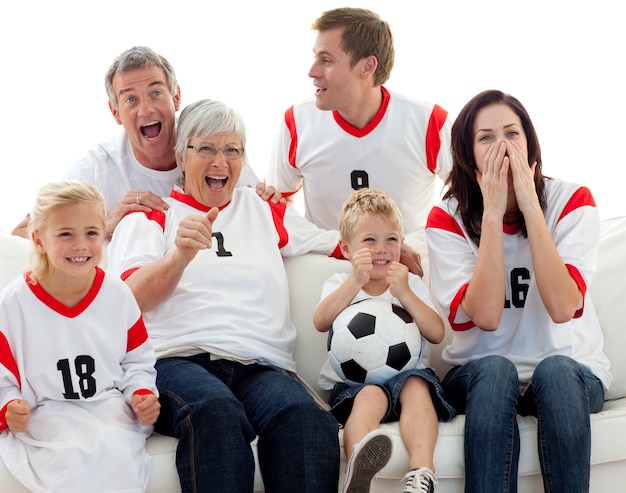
557 370
370 395
495 366
557 364
495 375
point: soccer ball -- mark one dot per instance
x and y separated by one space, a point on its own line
373 340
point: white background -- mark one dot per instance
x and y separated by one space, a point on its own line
563 60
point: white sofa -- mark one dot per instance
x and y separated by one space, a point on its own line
307 273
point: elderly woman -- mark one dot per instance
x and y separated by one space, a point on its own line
209 277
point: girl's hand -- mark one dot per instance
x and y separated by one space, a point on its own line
146 407
18 415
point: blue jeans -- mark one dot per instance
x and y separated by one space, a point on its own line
216 408
562 394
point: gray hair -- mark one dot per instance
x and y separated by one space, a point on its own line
204 119
135 58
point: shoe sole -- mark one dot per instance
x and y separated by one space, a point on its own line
369 460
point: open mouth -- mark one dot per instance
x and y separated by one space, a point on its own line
78 260
216 182
380 262
151 130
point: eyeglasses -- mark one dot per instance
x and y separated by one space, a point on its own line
209 152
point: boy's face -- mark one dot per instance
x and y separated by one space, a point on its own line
382 238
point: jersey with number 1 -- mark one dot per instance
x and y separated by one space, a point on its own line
401 152
232 299
77 367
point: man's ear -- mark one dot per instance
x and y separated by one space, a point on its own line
115 113
176 98
370 64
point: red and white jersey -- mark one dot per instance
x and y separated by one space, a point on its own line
232 299
113 169
401 151
328 376
526 334
78 369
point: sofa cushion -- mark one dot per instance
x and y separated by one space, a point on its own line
13 257
607 291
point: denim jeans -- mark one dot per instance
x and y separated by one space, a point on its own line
216 408
562 394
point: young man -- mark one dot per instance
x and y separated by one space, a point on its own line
136 167
355 133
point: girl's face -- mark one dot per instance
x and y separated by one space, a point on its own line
73 239
495 123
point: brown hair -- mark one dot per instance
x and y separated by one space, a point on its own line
462 182
364 34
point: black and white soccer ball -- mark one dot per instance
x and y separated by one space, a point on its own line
373 340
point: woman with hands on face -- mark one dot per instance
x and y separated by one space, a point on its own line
208 274
512 254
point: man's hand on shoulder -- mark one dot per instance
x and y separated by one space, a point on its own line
269 193
411 258
133 200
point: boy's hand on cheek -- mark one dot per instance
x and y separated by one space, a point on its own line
398 278
362 265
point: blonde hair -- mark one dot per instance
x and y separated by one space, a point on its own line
50 197
363 204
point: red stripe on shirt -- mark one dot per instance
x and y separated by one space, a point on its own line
64 310
433 136
126 274
454 308
278 215
137 335
581 198
362 132
7 360
153 215
582 286
440 219
290 121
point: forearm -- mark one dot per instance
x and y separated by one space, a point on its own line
558 290
332 305
484 299
427 320
154 283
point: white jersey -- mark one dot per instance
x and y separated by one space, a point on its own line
328 377
526 334
113 169
401 151
232 299
78 369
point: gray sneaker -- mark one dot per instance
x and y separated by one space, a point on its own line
419 480
370 455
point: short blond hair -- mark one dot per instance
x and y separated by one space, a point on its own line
365 203
50 197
